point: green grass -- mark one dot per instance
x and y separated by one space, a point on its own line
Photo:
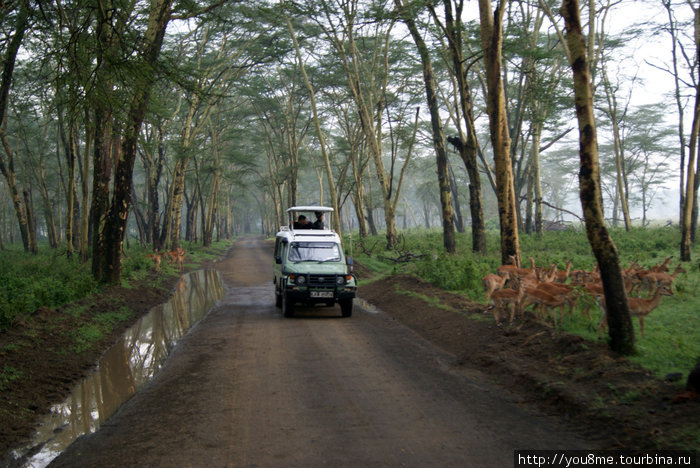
672 330
7 375
97 328
85 336
47 279
433 301
50 279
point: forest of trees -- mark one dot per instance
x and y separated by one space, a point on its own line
154 121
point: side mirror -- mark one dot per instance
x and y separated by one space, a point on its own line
348 262
278 260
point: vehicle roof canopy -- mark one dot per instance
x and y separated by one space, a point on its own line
309 234
322 209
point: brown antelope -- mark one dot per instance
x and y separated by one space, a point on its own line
491 283
545 300
661 267
180 260
547 276
565 290
172 256
649 279
156 257
595 292
639 307
563 276
177 257
507 297
505 269
513 270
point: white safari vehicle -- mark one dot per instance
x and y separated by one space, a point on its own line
310 266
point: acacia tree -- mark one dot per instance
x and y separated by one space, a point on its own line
620 329
353 142
114 228
367 73
693 148
649 148
211 67
466 143
319 131
492 42
448 229
7 164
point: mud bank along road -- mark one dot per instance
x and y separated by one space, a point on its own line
247 387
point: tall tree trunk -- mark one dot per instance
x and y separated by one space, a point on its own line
529 202
690 195
491 39
51 233
107 37
210 212
448 228
459 220
139 217
31 225
468 151
85 193
466 143
115 227
7 165
536 178
358 197
70 215
678 99
687 234
152 157
612 112
31 219
170 233
370 222
620 329
192 205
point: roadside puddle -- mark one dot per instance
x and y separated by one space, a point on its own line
123 369
366 306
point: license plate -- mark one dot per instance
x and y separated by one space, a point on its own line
321 293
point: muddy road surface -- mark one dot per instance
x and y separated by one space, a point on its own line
247 387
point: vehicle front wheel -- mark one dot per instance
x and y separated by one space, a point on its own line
346 307
278 299
287 306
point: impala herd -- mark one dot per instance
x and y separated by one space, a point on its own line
513 289
176 257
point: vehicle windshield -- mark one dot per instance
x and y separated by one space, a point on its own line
314 252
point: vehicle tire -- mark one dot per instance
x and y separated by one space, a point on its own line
278 299
287 306
346 307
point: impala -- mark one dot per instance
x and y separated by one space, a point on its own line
491 283
507 297
639 307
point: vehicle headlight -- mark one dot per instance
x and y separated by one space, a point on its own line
340 280
301 279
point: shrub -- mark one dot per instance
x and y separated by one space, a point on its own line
46 279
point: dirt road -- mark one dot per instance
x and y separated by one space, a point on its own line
246 387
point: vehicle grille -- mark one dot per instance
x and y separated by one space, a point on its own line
322 281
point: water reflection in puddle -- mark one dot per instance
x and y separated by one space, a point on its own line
124 368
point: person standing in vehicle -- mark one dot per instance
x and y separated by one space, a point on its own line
318 224
302 223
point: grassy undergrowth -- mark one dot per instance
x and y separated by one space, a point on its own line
51 279
672 331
